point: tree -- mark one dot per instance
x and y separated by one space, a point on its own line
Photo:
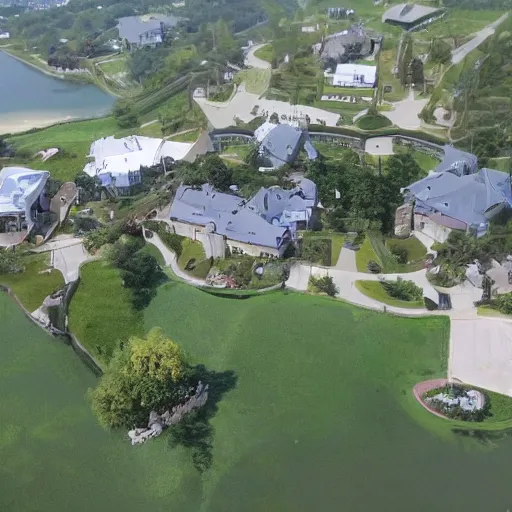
125 115
218 173
405 59
89 185
147 374
252 157
417 75
440 51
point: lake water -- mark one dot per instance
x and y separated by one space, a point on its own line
29 98
356 453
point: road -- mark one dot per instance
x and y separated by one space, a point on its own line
252 61
460 53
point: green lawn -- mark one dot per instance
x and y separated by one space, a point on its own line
256 80
426 162
375 290
364 255
368 122
336 239
262 430
114 66
100 313
31 286
416 250
73 140
265 52
191 250
348 91
191 136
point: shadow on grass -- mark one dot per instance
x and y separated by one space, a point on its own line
195 431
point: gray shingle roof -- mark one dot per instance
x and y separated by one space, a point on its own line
281 145
457 161
228 213
408 13
133 28
464 198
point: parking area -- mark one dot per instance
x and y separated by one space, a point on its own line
481 353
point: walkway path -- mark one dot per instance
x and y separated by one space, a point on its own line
255 62
171 261
406 112
346 260
68 260
462 51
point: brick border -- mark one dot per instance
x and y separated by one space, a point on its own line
423 387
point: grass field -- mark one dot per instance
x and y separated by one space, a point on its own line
364 255
368 122
115 65
415 249
336 239
256 80
426 162
348 91
279 414
265 52
31 286
100 313
72 139
375 290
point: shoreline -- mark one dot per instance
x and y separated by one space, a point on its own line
81 79
16 128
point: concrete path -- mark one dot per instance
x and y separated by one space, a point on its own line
481 353
379 146
461 52
68 260
255 62
171 261
406 112
223 115
345 281
59 242
346 260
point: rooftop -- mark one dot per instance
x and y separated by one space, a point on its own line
20 188
408 13
133 28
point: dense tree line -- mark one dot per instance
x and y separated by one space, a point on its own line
364 193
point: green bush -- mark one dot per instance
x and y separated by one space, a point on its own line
10 262
403 290
171 240
374 267
375 122
202 268
316 250
323 284
401 254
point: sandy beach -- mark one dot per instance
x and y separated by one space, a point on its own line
17 123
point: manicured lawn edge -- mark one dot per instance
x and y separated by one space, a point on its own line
375 290
364 255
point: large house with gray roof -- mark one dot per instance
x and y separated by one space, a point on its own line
410 16
280 144
262 226
455 196
145 31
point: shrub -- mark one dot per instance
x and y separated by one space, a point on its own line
316 250
401 254
374 267
171 240
403 290
9 262
323 284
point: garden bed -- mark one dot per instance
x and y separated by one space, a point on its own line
375 290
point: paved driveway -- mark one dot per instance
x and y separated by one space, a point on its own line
481 353
379 146
406 112
255 62
460 53
68 260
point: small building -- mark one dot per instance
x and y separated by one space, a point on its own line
410 16
280 144
5 35
149 31
117 162
23 203
355 75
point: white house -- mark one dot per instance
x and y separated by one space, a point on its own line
355 75
117 162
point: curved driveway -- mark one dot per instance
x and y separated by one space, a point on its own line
252 61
